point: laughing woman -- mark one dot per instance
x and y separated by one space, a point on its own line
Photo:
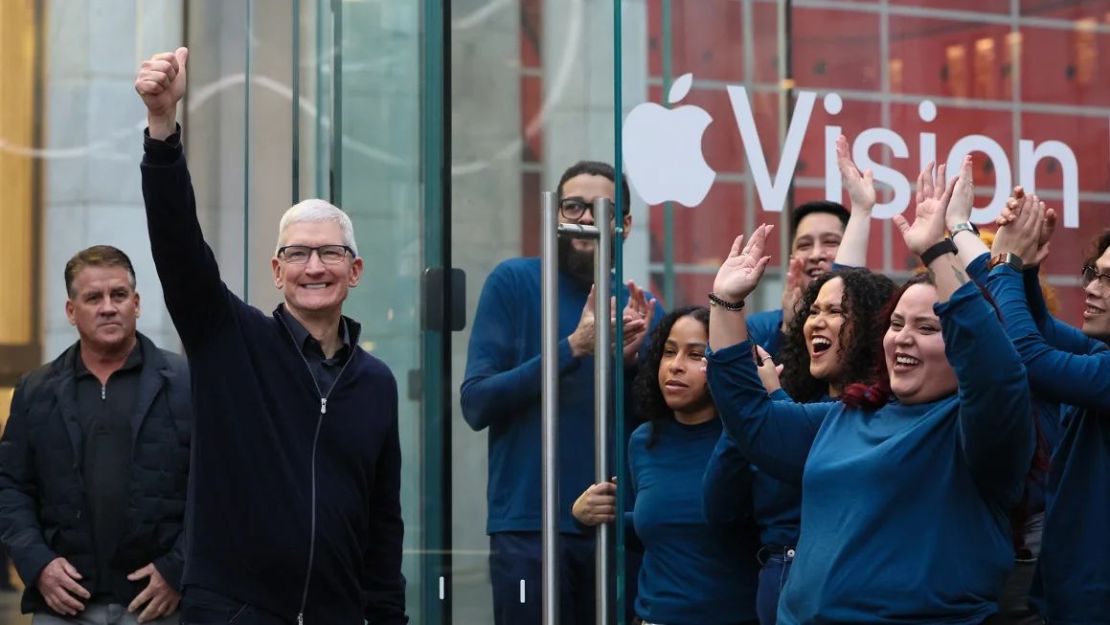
829 344
906 484
692 573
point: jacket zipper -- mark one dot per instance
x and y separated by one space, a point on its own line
315 443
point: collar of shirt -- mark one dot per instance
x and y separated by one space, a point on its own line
134 361
311 347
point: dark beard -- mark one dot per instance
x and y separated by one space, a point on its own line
576 263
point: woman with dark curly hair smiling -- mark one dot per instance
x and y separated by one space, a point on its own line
831 343
828 345
692 572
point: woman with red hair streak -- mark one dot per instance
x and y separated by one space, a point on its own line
1071 367
906 484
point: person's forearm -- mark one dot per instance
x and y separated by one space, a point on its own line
726 327
726 485
486 399
161 126
853 245
1054 374
996 424
948 275
195 294
775 436
970 247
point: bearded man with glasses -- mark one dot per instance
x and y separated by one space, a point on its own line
501 393
294 498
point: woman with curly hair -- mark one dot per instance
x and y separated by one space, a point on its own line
828 345
693 573
905 484
831 342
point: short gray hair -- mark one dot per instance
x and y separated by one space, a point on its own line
315 211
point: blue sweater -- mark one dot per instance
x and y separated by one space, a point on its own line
777 505
281 495
903 508
1069 367
765 328
501 391
692 573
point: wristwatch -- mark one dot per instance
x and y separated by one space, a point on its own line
1006 258
962 227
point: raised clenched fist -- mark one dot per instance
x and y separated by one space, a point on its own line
161 84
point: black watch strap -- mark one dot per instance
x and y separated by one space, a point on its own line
937 250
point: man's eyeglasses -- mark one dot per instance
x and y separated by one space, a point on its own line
575 207
1090 274
328 254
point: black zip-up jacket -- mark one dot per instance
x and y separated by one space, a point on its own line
43 511
294 508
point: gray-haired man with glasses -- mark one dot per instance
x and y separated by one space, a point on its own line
294 497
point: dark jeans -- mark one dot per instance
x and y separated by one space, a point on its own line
515 559
201 606
772 577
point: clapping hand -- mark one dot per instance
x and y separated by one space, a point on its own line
1022 233
1048 226
963 196
929 216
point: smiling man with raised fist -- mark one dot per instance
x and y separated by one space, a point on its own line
294 497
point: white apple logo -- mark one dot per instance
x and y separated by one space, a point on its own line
662 149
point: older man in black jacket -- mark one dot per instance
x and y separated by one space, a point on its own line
94 462
294 500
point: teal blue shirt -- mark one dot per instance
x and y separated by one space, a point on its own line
904 509
692 573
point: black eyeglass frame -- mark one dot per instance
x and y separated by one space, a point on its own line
1093 272
281 253
580 205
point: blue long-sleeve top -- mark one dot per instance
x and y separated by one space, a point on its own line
1068 367
904 509
1048 414
765 328
501 391
693 573
777 505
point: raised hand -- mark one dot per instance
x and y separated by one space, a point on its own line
742 270
860 186
637 316
792 293
929 216
161 85
582 339
963 196
1022 233
1048 226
